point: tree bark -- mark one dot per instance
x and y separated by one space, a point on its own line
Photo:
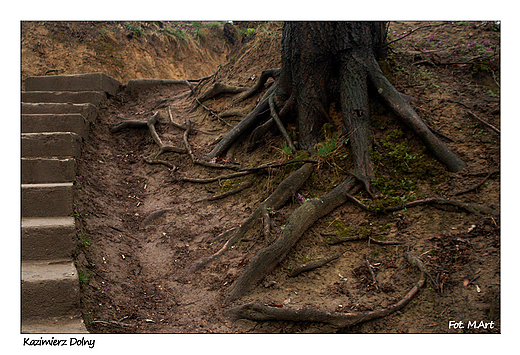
314 58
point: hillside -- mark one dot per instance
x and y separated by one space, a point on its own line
135 268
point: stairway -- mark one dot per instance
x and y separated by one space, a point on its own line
56 115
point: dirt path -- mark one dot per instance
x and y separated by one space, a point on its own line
135 276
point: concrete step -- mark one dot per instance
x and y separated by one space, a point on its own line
48 238
47 200
49 289
48 170
88 111
92 97
51 145
67 122
55 325
75 82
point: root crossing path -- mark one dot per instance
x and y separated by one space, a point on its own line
194 245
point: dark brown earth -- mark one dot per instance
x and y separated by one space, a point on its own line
134 274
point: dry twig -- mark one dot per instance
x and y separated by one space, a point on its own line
493 128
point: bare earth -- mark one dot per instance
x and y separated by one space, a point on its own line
134 271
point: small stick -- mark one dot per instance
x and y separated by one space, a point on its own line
280 124
493 128
475 187
370 267
218 178
266 220
158 161
242 172
313 264
370 239
224 234
384 242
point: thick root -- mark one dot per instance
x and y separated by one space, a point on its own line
246 124
314 264
277 199
264 312
266 74
302 218
396 102
219 89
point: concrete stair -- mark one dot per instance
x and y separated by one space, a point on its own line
57 112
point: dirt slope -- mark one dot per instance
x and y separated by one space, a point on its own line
129 50
134 269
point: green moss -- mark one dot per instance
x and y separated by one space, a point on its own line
386 68
327 131
364 231
300 155
228 185
342 230
400 169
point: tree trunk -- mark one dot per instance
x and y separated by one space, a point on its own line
325 62
314 55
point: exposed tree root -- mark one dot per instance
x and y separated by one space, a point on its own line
213 179
300 220
246 171
314 264
183 127
159 161
435 202
395 101
491 127
438 202
277 199
336 240
266 74
219 89
163 148
280 125
245 125
128 124
475 187
232 113
264 312
166 102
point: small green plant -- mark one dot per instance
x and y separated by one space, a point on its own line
248 32
285 151
77 180
84 277
85 241
136 30
78 212
328 149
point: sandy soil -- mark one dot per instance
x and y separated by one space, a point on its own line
134 274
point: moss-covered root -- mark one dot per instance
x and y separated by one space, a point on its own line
285 190
301 219
263 312
396 102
